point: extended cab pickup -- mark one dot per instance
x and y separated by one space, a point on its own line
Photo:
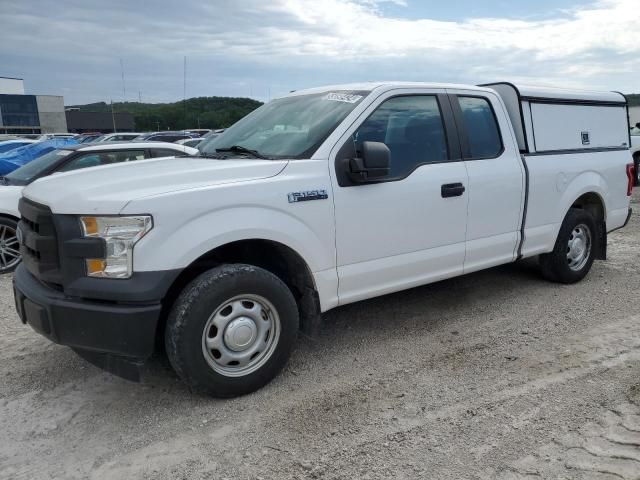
318 199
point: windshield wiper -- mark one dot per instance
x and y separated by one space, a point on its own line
241 149
216 156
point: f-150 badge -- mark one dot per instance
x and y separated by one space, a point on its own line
308 195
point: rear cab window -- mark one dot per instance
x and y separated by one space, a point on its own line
480 126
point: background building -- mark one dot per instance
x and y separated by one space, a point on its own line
20 113
105 122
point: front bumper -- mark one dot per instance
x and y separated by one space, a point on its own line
108 334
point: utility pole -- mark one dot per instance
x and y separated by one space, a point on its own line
124 90
157 125
184 101
139 96
113 117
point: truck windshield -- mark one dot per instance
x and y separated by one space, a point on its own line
32 170
290 127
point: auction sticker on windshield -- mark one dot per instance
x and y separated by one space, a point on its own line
342 97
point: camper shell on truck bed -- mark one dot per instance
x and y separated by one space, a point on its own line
554 120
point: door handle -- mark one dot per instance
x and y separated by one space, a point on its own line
452 190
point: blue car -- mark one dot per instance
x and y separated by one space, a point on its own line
13 159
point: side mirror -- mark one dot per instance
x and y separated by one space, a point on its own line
373 164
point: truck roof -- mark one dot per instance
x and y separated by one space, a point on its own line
525 91
369 86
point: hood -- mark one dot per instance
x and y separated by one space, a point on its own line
107 189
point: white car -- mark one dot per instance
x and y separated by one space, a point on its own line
66 159
324 197
8 145
117 137
49 136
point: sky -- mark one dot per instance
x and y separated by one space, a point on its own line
266 48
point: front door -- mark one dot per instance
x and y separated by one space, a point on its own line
408 228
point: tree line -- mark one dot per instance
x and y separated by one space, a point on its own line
200 112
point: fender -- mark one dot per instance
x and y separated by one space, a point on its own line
586 182
176 248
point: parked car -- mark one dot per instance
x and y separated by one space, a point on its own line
200 132
165 136
635 151
190 142
117 137
48 136
72 157
9 145
29 136
13 159
87 137
322 198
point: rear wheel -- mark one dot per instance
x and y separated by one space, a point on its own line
574 251
9 245
231 330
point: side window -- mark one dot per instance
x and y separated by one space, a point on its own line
411 127
102 158
481 126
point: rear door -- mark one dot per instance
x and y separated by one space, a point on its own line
496 185
409 228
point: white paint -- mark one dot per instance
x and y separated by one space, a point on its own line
560 127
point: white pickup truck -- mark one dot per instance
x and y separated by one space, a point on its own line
324 197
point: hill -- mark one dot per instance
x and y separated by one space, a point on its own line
202 112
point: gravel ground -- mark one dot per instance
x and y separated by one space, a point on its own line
495 375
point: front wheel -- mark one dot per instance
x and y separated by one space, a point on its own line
574 251
231 330
9 245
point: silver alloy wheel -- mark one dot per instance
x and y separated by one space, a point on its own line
579 247
241 335
9 248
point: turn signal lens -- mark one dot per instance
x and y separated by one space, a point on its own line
90 225
95 266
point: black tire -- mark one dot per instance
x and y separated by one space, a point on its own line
555 266
636 164
9 247
185 336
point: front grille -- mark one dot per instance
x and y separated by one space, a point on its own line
39 242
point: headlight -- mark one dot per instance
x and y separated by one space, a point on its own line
120 235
